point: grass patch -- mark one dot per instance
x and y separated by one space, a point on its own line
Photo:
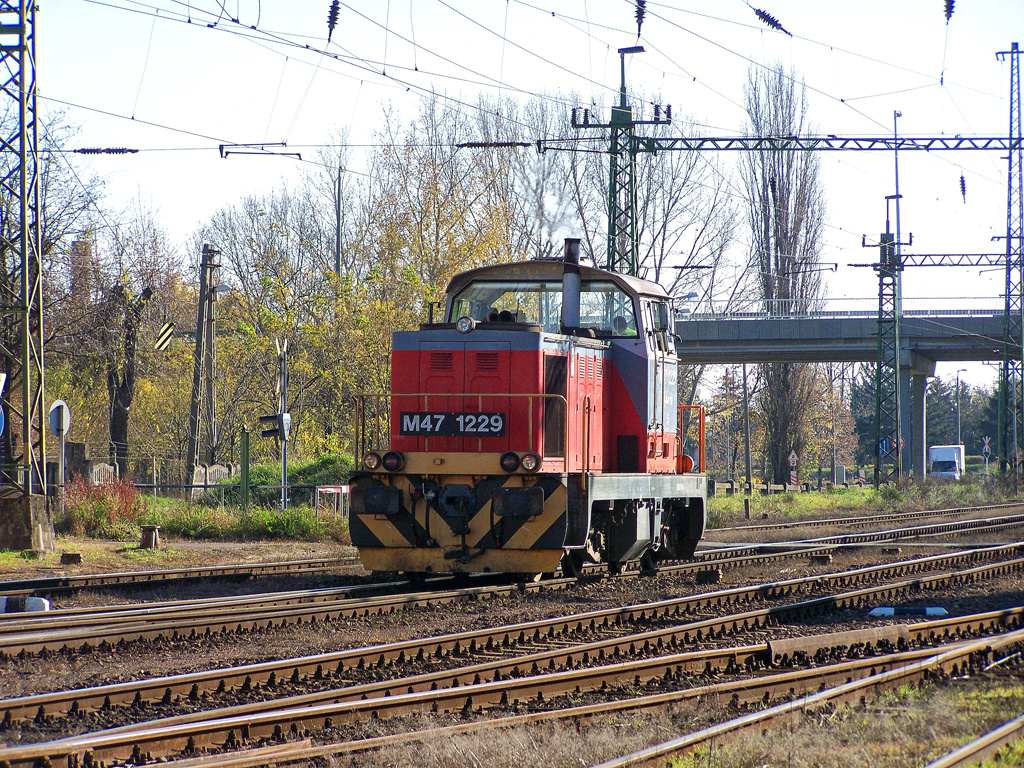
199 522
725 511
11 557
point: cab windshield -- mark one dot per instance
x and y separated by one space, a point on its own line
604 307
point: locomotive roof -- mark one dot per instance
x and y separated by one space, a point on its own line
551 270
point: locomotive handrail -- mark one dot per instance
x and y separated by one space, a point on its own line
701 414
361 444
585 438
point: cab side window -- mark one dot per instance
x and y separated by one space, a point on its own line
657 318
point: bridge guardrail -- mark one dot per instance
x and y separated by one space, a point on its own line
860 313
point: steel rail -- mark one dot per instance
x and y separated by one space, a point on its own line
186 624
67 629
984 747
152 623
51 584
977 525
151 612
471 642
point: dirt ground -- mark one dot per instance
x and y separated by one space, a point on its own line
118 556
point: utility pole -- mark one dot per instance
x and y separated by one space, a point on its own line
889 441
201 364
746 433
212 427
337 227
282 358
959 441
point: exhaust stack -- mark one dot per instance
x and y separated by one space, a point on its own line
571 284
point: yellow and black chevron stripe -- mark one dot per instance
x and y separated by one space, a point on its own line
458 525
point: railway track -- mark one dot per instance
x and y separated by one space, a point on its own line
66 630
63 584
973 526
67 583
524 635
907 668
961 659
87 628
628 662
608 638
509 679
862 520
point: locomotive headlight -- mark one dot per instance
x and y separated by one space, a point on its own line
509 461
371 460
393 461
531 461
465 324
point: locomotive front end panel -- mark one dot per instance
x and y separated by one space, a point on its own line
437 523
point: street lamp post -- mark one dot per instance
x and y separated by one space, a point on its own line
958 440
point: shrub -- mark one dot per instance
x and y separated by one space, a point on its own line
107 510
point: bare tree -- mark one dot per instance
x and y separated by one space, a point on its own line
786 213
125 313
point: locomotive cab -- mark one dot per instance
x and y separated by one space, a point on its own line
536 425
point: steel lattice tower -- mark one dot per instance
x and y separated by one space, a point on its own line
1011 386
888 434
622 245
21 291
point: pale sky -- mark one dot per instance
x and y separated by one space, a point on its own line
176 79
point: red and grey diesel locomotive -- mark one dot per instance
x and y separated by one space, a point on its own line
536 425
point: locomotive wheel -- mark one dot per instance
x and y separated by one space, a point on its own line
572 564
647 564
529 578
614 569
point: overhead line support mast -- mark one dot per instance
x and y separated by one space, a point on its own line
22 290
623 248
1011 385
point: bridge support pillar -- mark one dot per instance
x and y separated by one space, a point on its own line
914 374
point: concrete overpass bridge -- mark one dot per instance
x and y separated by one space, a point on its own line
926 336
